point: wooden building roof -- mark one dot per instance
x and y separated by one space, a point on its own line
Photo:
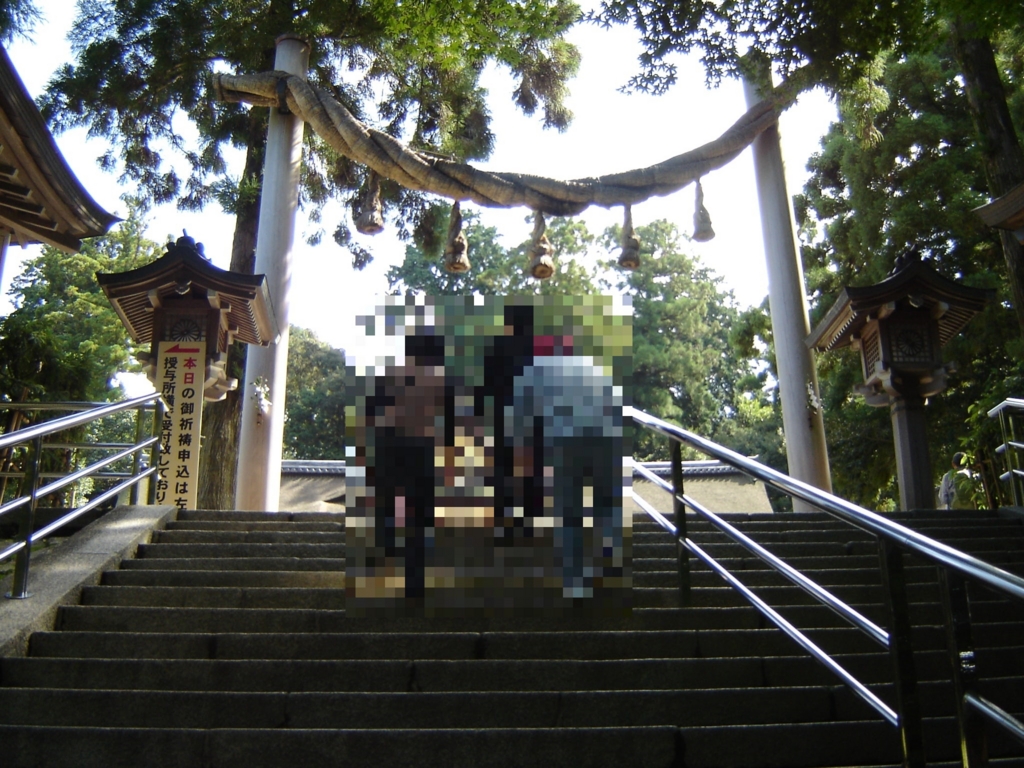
41 200
244 299
955 304
1006 212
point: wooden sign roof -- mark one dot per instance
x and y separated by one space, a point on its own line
1006 212
244 299
954 304
41 200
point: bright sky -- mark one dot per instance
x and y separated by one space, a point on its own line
611 132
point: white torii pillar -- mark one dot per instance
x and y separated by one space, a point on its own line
798 378
259 451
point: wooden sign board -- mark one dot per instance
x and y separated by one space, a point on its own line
180 373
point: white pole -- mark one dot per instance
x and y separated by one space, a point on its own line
259 450
798 379
5 243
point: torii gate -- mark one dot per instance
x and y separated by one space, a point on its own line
293 101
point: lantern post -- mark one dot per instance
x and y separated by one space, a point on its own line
190 312
900 326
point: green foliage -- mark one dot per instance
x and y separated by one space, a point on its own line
315 398
17 19
685 368
64 341
411 67
834 41
912 188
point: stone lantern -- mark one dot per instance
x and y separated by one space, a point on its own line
900 326
190 312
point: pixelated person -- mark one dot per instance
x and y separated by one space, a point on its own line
514 481
562 429
408 423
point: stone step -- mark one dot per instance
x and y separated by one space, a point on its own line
236 564
451 748
840 551
800 745
247 550
377 675
396 675
127 577
767 536
248 537
216 597
474 709
254 526
156 619
230 516
409 642
916 570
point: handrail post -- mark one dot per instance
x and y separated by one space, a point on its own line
679 513
133 497
154 452
901 652
957 610
19 584
1012 460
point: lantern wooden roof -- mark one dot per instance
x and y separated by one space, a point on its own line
183 272
41 200
916 282
1006 212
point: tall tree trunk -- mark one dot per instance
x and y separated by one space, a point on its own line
221 421
1004 159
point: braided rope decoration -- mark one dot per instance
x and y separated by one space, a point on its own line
415 170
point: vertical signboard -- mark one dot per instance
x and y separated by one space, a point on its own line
181 371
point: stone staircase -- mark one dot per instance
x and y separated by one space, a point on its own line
225 643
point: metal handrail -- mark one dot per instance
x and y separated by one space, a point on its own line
871 522
777 619
33 437
894 540
816 591
1010 403
1007 412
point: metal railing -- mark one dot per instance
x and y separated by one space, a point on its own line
895 541
1009 412
31 442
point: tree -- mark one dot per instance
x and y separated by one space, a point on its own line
820 41
836 45
315 407
685 368
139 65
17 19
64 341
913 187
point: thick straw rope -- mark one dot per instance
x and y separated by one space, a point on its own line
459 181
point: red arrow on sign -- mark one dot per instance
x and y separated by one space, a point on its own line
183 350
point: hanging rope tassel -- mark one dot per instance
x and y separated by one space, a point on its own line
542 266
702 231
456 247
370 220
630 256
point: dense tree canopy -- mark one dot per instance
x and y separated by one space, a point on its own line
686 366
912 187
64 341
314 425
831 41
412 68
